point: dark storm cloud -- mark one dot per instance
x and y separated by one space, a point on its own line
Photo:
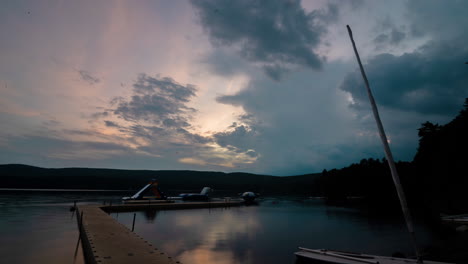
88 77
157 100
394 37
424 82
279 35
388 33
441 19
240 137
429 80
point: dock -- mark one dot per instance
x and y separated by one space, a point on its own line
105 240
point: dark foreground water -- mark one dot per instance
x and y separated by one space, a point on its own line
270 232
38 227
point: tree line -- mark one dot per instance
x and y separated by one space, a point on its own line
436 179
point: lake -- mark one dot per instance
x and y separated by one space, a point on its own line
270 232
38 227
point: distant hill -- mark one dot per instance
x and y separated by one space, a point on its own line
24 176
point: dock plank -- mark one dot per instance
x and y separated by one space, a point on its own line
105 240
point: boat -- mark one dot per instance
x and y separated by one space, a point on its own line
338 257
202 196
249 197
456 219
457 222
159 197
306 255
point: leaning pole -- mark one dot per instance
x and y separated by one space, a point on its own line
388 153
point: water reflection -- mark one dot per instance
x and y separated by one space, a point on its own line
270 232
150 215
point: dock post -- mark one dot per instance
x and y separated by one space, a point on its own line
133 225
80 227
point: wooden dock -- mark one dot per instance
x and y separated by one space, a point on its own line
105 240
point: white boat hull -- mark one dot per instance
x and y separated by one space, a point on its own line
339 257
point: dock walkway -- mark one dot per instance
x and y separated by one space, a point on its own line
105 240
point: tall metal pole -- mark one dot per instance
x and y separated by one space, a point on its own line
388 153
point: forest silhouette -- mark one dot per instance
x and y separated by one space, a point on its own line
435 180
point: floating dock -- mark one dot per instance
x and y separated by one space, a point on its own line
105 240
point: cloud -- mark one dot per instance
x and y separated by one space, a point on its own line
239 139
389 34
428 80
193 161
155 120
439 19
224 62
278 35
110 124
291 126
394 37
156 109
160 101
88 77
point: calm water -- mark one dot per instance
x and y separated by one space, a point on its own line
38 227
270 232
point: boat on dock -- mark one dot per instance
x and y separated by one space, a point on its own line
202 196
306 255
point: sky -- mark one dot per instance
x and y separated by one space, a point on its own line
269 87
